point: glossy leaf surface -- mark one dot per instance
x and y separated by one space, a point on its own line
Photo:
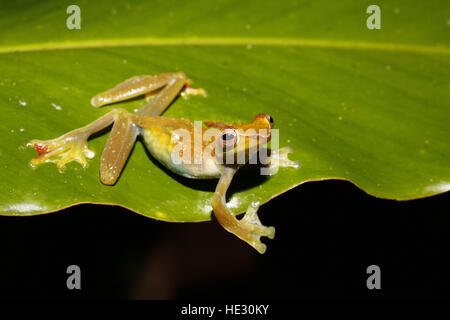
369 106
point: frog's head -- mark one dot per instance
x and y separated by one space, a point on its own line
239 143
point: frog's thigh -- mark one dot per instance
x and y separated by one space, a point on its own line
118 147
134 87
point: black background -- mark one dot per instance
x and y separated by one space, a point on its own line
328 233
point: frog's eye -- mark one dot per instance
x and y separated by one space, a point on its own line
228 137
270 119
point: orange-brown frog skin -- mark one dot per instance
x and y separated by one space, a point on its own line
171 142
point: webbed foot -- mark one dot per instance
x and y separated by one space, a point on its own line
251 229
280 158
69 147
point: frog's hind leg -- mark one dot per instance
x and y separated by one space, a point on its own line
72 146
169 92
163 87
117 149
164 98
134 87
124 132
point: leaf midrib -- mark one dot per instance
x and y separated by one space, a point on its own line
195 41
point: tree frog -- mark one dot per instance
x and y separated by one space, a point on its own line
161 138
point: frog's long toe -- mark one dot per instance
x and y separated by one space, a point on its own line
280 158
255 229
61 151
189 91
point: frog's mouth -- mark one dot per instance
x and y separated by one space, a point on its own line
266 136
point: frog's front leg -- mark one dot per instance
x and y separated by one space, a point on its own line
249 228
279 158
71 146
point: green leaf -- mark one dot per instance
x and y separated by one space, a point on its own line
368 106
